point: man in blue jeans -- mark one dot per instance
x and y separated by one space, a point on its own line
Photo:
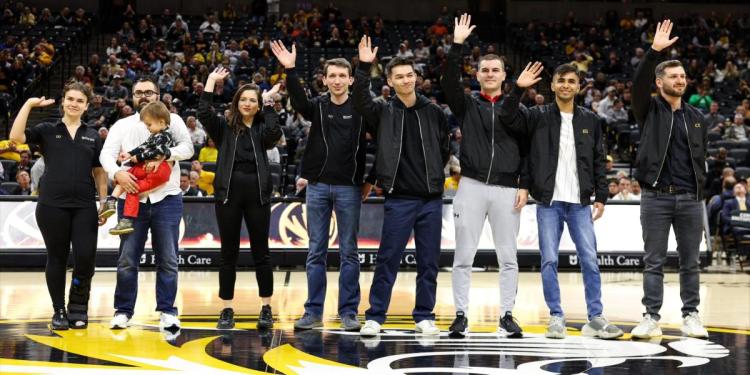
567 165
332 168
160 211
413 144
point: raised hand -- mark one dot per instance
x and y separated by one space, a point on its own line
530 75
366 52
39 102
661 37
286 58
219 74
462 28
268 95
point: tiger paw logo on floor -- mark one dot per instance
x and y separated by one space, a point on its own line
200 348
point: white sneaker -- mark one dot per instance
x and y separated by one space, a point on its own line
119 321
647 328
556 328
692 326
371 328
427 327
168 321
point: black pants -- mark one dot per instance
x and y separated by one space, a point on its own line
61 227
244 202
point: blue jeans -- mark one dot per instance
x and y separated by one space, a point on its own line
400 217
163 218
550 219
345 201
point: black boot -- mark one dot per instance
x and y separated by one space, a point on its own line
78 303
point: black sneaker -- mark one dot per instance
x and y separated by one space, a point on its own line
460 326
509 327
60 321
124 226
226 319
265 319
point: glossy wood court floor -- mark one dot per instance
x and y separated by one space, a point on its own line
28 346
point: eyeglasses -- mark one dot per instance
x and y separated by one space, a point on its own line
148 94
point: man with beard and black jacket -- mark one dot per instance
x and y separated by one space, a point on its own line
492 186
566 162
333 170
671 168
413 142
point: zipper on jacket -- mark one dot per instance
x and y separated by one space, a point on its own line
359 134
398 160
231 167
492 145
671 125
426 171
257 167
687 134
325 142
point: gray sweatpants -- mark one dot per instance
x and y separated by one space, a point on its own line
474 202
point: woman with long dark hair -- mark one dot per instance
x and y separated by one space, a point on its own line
242 186
66 211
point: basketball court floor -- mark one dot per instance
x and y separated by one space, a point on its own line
28 346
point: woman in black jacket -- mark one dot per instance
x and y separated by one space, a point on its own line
242 185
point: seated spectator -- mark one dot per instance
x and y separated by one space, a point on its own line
187 190
635 189
210 27
36 175
538 100
701 99
738 131
24 184
385 94
96 114
616 113
208 153
116 91
205 178
714 118
738 203
614 188
197 134
194 180
625 194
404 51
22 165
438 29
11 150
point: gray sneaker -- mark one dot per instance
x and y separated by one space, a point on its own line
600 327
350 323
308 321
556 327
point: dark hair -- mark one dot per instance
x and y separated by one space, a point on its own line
564 69
80 87
234 119
398 61
184 172
659 71
339 62
148 79
491 56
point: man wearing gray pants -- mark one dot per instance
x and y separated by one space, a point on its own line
492 186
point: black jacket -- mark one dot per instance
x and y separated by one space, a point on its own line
264 134
386 123
316 150
655 118
542 125
488 152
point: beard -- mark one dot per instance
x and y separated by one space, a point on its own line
142 103
671 91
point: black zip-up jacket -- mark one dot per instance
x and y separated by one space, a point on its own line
264 133
488 152
655 118
316 150
386 123
542 126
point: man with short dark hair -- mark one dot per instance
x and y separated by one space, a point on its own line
333 170
413 143
492 186
566 162
671 169
160 211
